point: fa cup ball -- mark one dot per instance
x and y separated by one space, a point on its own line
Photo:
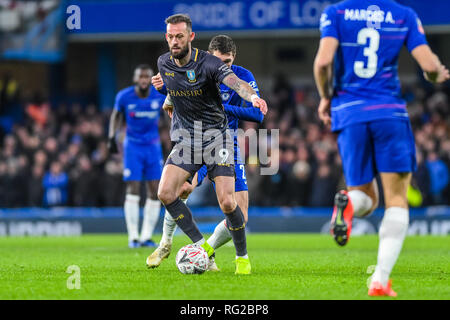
192 259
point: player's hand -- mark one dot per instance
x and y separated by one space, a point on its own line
112 146
324 111
157 81
169 109
261 104
442 76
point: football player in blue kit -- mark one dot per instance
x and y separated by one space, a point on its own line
364 107
140 106
236 109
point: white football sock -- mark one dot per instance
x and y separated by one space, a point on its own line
200 242
393 229
152 209
361 202
131 208
169 227
220 236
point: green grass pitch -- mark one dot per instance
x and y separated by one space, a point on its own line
284 266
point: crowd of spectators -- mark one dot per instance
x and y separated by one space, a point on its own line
57 155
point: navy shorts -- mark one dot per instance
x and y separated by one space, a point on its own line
240 182
224 166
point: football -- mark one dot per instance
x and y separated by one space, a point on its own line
192 259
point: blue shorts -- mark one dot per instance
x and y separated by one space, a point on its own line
240 182
378 146
142 162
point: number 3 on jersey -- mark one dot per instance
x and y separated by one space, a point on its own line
370 52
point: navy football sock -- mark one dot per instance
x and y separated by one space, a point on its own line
236 225
183 217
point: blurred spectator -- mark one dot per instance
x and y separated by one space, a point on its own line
85 183
38 111
35 188
438 172
323 187
9 93
55 185
59 157
112 186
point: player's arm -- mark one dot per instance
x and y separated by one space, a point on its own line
245 91
168 106
246 114
115 123
433 70
323 74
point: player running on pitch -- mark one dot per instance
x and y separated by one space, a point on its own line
236 109
199 128
370 117
140 106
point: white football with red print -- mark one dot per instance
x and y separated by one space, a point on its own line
192 259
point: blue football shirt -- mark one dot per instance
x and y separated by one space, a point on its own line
141 114
371 34
230 97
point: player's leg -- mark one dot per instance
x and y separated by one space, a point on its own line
356 151
132 175
221 233
393 229
152 209
234 219
131 209
395 158
172 179
169 227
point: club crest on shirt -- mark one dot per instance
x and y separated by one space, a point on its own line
154 104
191 75
225 96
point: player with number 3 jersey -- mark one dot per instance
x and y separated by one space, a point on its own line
360 45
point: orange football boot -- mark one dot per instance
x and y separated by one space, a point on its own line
377 290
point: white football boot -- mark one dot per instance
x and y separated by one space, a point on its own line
161 253
212 266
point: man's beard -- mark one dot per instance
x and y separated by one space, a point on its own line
143 91
183 52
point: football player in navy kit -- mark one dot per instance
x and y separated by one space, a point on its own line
192 78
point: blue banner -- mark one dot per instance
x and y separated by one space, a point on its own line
78 221
94 17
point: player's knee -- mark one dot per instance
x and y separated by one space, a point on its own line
396 201
153 195
227 204
133 187
166 195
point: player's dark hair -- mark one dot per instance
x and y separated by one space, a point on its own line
178 18
223 44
